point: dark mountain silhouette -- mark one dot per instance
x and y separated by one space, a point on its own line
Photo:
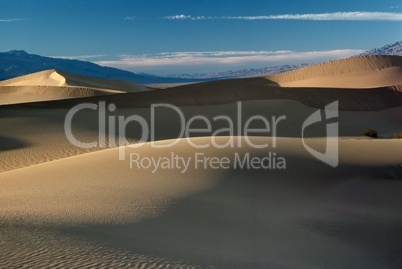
18 62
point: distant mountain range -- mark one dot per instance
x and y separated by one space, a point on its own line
18 62
253 72
392 49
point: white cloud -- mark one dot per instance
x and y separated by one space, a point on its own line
129 18
337 16
185 17
11 20
163 62
80 57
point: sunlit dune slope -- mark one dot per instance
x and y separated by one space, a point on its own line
54 85
59 78
356 72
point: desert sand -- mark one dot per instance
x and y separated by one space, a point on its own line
53 85
357 72
67 207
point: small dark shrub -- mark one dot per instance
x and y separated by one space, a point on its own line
398 135
371 133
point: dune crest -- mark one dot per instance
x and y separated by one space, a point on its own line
54 77
356 72
43 78
53 85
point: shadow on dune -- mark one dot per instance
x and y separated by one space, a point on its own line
7 143
322 218
167 123
231 91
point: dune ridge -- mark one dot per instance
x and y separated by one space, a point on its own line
24 143
79 91
54 77
232 91
54 85
71 171
360 84
356 72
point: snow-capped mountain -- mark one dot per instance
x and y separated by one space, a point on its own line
392 49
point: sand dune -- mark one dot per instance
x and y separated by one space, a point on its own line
59 78
27 94
355 72
59 188
230 91
67 207
24 142
55 85
360 84
214 218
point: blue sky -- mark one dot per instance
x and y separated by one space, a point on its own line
177 36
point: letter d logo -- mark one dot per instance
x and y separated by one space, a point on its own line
330 156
